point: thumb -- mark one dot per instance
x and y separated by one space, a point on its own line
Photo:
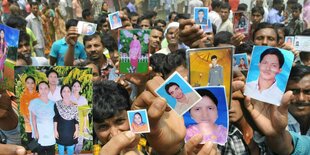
283 108
8 149
118 143
155 112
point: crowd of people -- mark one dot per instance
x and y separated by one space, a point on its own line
48 36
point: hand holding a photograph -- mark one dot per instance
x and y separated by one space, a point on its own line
189 33
193 146
167 128
290 47
119 142
72 35
237 38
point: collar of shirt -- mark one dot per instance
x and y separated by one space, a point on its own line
268 89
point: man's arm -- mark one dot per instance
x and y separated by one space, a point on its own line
52 60
71 41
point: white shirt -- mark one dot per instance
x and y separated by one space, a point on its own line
39 61
215 18
56 95
271 95
165 51
226 26
181 108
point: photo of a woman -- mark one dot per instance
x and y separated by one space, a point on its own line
242 66
41 118
28 94
205 114
135 52
3 52
66 124
138 125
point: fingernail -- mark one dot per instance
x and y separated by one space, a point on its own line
160 105
130 134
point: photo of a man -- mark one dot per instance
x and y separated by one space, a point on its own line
267 87
201 15
215 73
115 20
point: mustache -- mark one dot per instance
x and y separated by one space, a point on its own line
299 104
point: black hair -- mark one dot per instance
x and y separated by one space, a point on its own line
140 19
138 113
86 12
51 71
126 8
76 81
100 20
156 62
223 37
158 28
292 1
298 72
306 32
277 2
34 3
225 5
109 99
23 36
30 77
264 25
200 10
206 92
215 4
160 21
172 61
246 47
297 6
132 14
37 87
213 57
258 9
71 22
273 51
282 27
242 7
167 86
170 15
63 87
109 42
16 22
90 37
181 16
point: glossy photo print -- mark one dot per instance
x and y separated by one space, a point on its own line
138 121
134 50
55 107
86 28
201 15
240 62
115 20
302 43
209 116
8 53
179 95
211 67
268 74
290 40
241 23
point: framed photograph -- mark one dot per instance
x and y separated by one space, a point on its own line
201 15
290 40
115 20
208 27
302 43
134 50
59 94
179 95
268 74
240 62
86 28
8 53
209 116
241 23
211 67
138 121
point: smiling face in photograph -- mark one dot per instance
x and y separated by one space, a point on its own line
269 67
30 84
205 111
137 119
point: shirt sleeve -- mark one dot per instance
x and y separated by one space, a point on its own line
301 143
83 53
54 50
56 117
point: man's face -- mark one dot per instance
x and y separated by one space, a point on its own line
35 9
235 112
161 25
52 79
111 127
173 16
176 92
266 37
210 38
94 48
134 19
201 14
105 7
256 17
281 37
300 106
24 49
214 61
224 13
145 24
171 35
96 76
269 67
295 14
205 111
105 27
155 39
